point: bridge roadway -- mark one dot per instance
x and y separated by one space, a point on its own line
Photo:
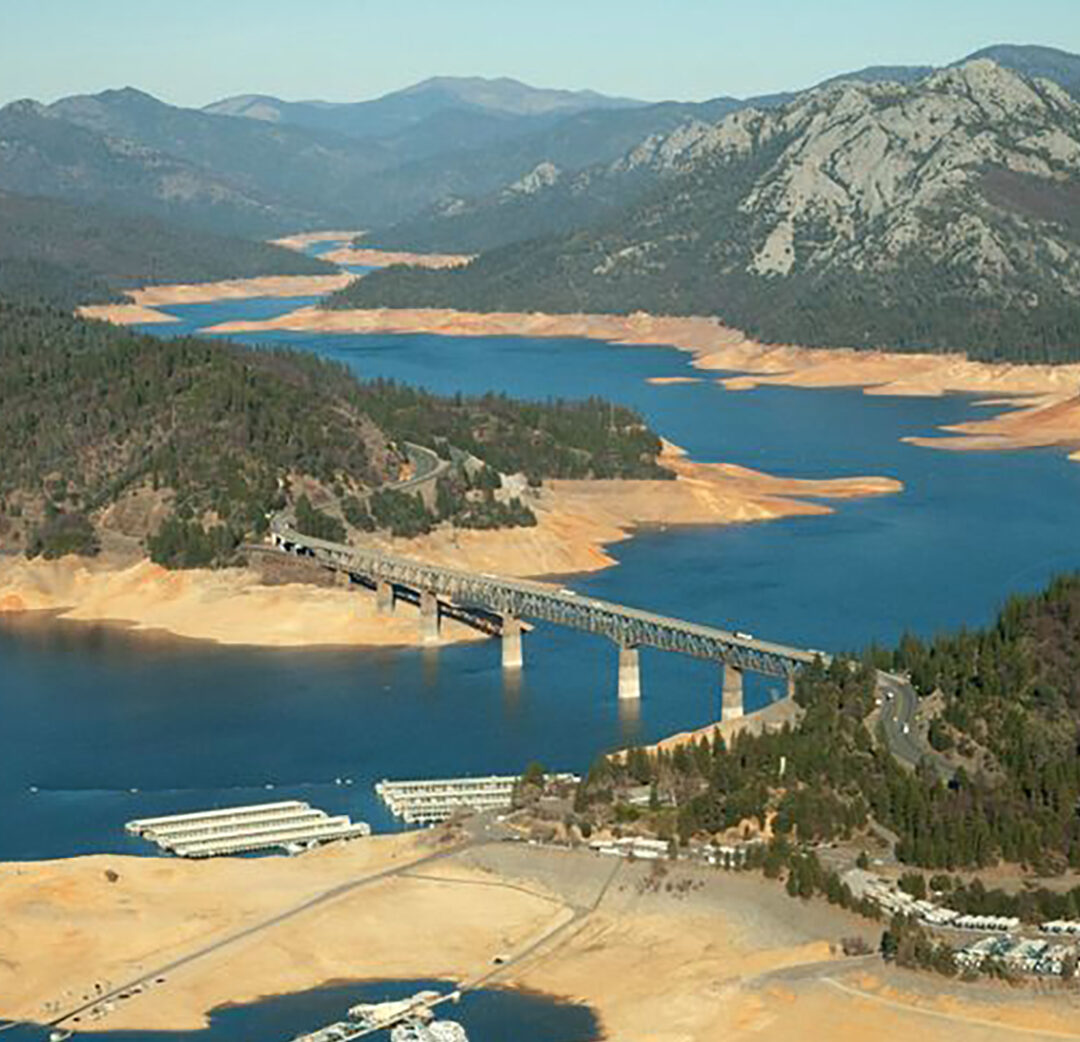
515 599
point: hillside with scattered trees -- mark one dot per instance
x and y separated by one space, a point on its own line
1009 700
187 445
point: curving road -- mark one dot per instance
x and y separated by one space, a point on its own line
428 467
898 708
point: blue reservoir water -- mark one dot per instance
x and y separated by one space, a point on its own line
488 1015
90 713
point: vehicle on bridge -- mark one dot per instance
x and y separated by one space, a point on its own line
512 600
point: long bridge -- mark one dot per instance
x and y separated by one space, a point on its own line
500 604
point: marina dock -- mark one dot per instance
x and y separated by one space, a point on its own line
290 825
429 800
424 801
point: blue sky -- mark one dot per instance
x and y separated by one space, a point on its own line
194 51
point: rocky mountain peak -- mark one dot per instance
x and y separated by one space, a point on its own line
542 176
884 153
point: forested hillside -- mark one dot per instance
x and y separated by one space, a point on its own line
1008 720
938 215
188 444
68 255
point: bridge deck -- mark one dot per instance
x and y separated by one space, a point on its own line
521 598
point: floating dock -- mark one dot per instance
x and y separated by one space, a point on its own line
429 800
289 825
423 801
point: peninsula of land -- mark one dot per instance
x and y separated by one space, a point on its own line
376 258
302 240
576 521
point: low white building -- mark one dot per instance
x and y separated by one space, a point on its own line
989 923
638 847
1067 926
975 954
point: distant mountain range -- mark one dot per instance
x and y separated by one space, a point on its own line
258 166
128 150
770 211
575 193
500 100
939 214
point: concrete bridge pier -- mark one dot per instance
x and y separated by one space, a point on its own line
429 617
512 657
342 578
629 673
384 597
731 702
790 687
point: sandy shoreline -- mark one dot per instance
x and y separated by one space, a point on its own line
384 258
1047 408
227 606
144 302
1042 399
715 955
577 521
302 240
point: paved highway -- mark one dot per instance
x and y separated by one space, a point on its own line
898 708
428 467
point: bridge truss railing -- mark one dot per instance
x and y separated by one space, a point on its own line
522 599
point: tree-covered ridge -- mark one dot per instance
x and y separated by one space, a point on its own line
558 439
935 216
189 443
1010 699
93 413
68 255
1011 720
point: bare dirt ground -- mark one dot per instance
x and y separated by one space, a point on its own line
687 955
303 240
773 717
227 606
144 302
384 258
578 519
